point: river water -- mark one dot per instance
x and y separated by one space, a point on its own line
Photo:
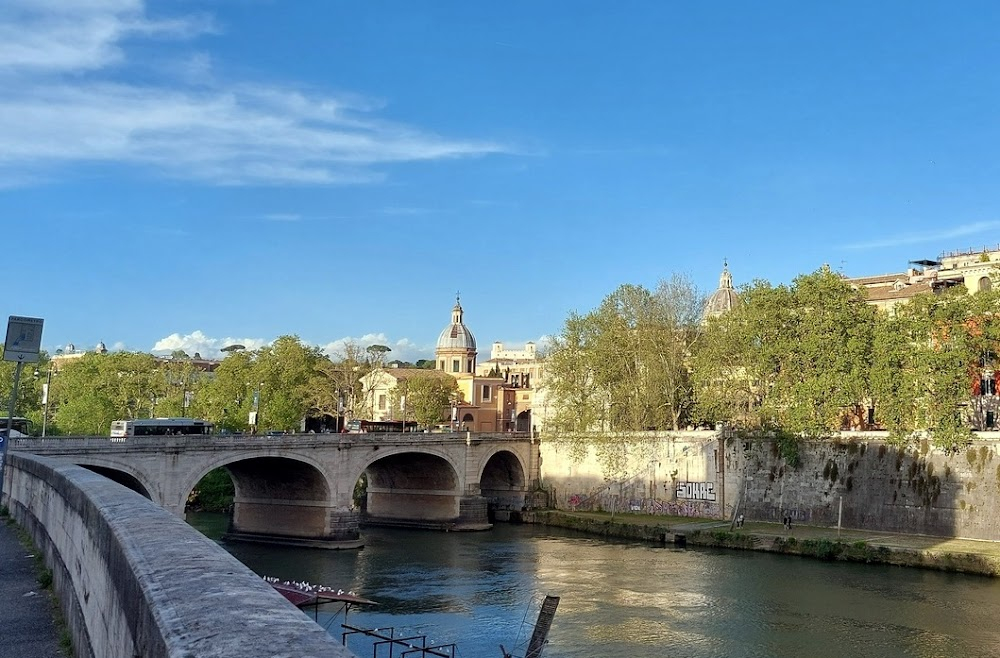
481 590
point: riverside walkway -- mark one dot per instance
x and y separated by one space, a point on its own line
27 625
924 551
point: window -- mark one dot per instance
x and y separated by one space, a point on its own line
990 419
985 283
468 366
487 393
381 402
987 386
455 365
441 365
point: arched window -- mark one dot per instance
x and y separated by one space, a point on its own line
985 283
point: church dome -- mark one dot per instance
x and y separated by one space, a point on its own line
725 298
456 336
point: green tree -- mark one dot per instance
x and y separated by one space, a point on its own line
794 358
622 368
96 389
427 396
214 493
226 398
929 357
287 369
335 389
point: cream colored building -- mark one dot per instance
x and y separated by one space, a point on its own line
486 401
482 400
379 387
972 268
521 371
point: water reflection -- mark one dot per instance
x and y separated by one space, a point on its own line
482 589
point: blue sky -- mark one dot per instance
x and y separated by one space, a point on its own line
193 173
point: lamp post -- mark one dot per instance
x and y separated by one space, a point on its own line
46 388
257 405
45 397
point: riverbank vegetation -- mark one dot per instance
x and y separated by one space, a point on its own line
214 493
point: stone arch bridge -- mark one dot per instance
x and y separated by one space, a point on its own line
298 489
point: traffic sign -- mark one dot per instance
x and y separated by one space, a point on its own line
24 339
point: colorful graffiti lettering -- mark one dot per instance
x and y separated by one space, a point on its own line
696 491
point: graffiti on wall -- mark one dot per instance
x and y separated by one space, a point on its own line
690 507
696 491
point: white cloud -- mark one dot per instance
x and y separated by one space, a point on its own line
402 349
209 348
67 99
903 239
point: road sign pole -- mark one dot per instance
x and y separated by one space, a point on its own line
24 341
5 439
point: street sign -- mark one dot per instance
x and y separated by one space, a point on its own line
24 339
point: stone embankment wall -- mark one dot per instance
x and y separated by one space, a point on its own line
134 580
670 473
870 484
857 477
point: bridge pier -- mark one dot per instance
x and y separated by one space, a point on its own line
427 509
313 524
473 514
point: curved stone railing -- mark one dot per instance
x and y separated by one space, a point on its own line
133 580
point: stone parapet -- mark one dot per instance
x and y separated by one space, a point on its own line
134 580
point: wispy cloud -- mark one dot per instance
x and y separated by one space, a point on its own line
282 217
68 98
902 239
58 36
405 211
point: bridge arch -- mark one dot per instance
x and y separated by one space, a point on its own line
224 461
503 481
284 497
124 475
406 484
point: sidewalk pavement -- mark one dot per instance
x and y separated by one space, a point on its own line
27 627
927 543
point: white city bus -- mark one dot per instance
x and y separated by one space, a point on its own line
159 427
